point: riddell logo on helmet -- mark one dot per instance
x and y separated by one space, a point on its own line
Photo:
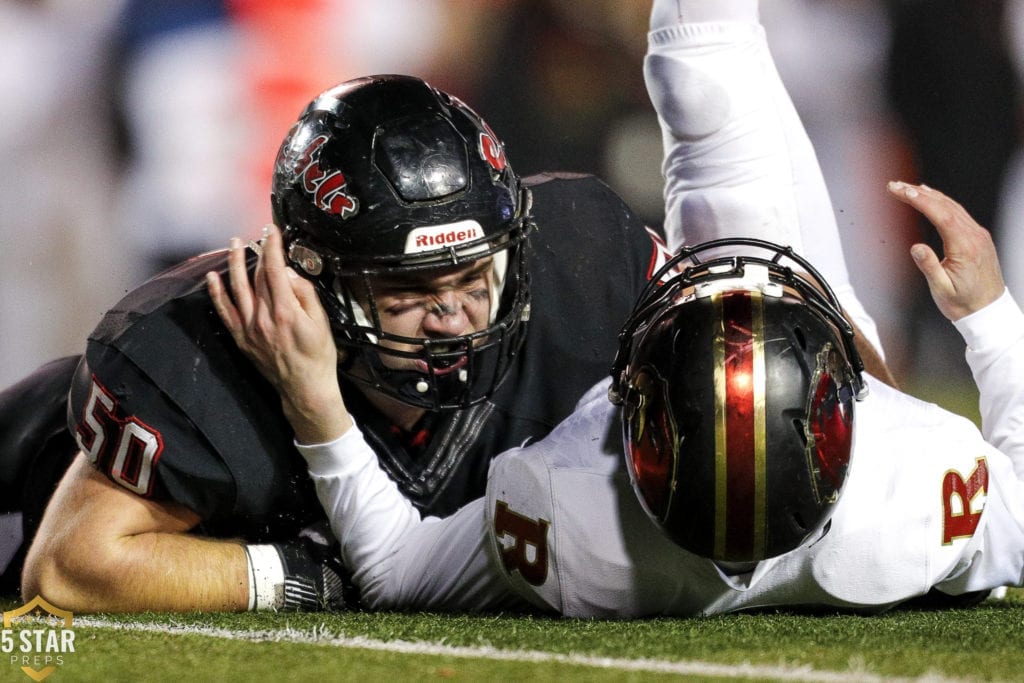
439 236
327 189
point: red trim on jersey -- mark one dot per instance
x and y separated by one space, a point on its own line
660 255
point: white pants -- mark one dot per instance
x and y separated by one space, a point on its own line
737 159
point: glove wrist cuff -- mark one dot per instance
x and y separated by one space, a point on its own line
266 577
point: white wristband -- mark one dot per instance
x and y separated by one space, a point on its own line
266 577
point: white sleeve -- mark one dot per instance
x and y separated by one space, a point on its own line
737 160
397 558
368 514
995 354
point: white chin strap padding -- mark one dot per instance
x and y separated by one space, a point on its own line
500 270
755 276
361 318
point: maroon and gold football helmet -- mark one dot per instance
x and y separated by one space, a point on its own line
738 377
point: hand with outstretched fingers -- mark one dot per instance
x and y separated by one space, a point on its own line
968 278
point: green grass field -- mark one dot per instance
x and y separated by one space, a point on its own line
983 643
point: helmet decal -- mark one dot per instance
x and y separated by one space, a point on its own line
439 236
491 151
654 446
307 259
328 189
740 439
830 426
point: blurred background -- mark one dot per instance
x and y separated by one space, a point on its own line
138 132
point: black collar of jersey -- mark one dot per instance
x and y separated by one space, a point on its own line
423 460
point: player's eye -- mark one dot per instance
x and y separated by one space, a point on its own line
399 305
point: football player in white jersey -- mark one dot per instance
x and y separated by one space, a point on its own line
753 477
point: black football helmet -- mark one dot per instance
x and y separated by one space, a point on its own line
387 175
738 377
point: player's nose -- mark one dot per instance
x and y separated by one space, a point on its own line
446 316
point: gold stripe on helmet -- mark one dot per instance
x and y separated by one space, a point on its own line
760 428
721 459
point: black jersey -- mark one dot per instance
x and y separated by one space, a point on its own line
35 450
167 406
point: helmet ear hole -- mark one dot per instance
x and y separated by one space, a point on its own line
801 338
801 430
798 521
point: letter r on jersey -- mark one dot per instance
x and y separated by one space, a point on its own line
962 520
527 534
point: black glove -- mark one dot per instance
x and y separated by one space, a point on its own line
314 577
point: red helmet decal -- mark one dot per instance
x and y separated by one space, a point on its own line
488 146
327 189
492 151
653 443
831 426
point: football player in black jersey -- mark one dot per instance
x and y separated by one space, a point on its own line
471 310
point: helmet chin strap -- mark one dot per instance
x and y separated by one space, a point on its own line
414 386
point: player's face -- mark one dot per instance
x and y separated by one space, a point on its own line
433 304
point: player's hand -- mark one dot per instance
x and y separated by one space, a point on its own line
968 278
277 320
314 577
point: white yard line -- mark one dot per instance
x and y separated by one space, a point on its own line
693 668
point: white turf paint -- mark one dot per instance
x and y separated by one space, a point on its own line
320 636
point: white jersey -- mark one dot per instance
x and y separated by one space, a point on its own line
923 491
929 502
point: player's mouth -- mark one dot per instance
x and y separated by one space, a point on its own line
442 366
